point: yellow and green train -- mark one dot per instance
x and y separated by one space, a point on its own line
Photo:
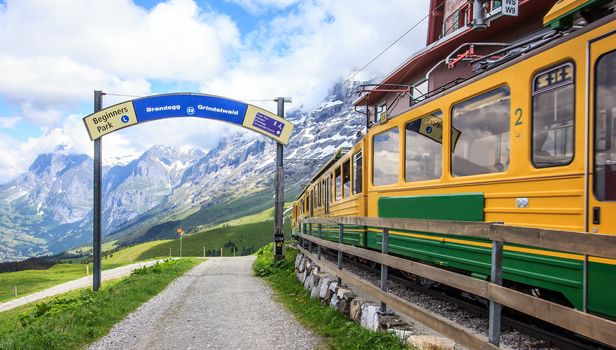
530 142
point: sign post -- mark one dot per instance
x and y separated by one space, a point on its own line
279 188
125 114
181 232
97 206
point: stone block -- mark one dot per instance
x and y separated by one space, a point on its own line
402 333
302 264
309 281
334 302
391 321
323 286
430 342
330 292
345 293
298 258
370 316
300 277
344 306
355 310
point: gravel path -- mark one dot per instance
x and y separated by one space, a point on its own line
217 305
83 282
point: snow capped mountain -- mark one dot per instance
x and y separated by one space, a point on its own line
48 208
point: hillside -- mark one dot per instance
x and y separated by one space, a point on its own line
47 210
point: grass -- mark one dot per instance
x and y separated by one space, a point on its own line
30 281
75 319
337 331
244 239
132 254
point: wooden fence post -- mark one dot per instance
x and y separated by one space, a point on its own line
496 277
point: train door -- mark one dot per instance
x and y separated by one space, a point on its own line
602 136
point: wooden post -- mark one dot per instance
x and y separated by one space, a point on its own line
312 234
384 268
320 233
340 240
220 251
496 277
204 251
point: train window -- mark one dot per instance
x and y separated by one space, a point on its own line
357 172
346 178
605 128
385 158
338 184
480 134
424 138
553 105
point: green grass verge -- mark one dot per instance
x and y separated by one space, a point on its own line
31 281
75 319
337 331
244 239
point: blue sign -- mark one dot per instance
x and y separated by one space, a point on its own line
156 107
203 106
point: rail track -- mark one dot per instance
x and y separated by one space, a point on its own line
552 336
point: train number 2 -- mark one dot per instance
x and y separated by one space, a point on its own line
518 114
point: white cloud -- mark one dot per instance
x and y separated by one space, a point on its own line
56 52
260 6
9 122
303 53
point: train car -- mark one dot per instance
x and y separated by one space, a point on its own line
528 139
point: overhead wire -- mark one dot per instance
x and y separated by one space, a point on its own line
379 55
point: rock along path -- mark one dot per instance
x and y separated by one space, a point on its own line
83 282
217 305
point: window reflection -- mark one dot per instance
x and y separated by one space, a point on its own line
385 158
424 138
553 104
605 132
480 134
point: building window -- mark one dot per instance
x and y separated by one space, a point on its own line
605 128
480 134
553 116
419 90
357 172
381 113
424 139
385 158
338 184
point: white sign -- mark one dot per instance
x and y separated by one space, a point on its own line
510 8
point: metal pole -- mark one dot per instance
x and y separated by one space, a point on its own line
384 268
496 277
279 185
97 201
320 228
340 240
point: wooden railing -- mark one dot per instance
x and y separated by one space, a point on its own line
585 324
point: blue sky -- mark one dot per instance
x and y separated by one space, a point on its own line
56 53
